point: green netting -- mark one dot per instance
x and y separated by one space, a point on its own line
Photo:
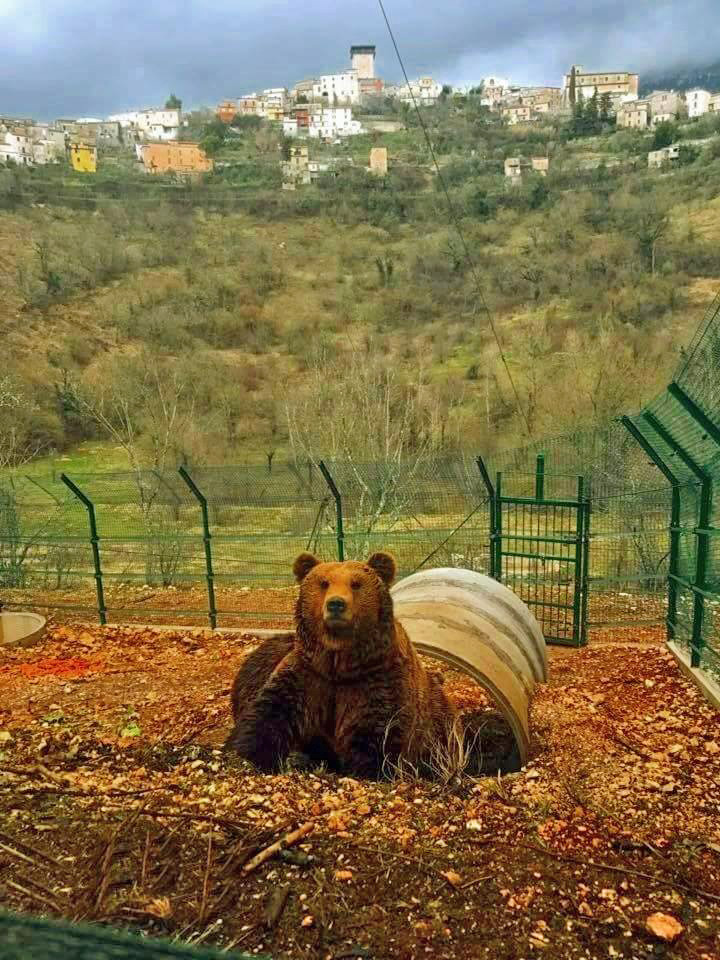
159 559
23 937
43 534
429 512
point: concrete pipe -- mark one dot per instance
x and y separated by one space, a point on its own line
20 629
479 627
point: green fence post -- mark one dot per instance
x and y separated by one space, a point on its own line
712 429
207 537
587 510
492 507
702 534
579 555
674 562
498 527
338 509
703 553
94 543
540 477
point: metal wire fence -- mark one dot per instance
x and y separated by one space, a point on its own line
22 937
215 544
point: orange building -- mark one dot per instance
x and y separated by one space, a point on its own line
227 111
175 156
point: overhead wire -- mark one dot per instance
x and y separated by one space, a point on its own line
456 222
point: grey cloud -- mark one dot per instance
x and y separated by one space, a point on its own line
70 58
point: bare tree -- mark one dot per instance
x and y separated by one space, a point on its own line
17 446
144 406
648 222
359 410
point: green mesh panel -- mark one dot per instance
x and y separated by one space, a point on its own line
430 512
31 938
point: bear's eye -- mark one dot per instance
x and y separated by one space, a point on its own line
355 584
324 584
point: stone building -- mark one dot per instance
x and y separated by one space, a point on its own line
379 161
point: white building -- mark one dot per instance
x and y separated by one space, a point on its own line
37 144
17 148
698 102
127 120
247 105
329 123
150 124
424 91
160 124
271 103
656 158
337 88
493 90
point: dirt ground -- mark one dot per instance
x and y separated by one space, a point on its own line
253 607
117 806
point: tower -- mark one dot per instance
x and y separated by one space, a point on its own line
362 60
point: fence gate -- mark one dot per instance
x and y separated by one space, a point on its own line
539 549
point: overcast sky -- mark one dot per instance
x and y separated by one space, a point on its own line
72 58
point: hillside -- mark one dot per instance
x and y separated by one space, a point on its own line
233 321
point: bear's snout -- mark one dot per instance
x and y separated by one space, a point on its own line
335 608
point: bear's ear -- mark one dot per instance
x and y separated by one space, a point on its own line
384 566
303 565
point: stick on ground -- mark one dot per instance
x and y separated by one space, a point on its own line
32 895
287 841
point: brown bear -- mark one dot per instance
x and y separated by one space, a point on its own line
349 685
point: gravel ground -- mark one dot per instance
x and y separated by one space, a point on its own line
117 806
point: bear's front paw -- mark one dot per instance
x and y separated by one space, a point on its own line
262 751
366 763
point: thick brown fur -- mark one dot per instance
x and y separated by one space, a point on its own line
350 678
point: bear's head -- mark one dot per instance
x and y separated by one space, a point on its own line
344 605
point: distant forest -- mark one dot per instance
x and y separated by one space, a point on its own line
682 78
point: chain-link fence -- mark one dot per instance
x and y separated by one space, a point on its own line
215 544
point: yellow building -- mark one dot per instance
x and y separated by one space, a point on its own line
175 156
83 158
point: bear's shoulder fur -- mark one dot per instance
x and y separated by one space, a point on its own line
255 670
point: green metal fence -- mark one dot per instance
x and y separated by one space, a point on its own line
22 937
540 550
635 546
220 541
